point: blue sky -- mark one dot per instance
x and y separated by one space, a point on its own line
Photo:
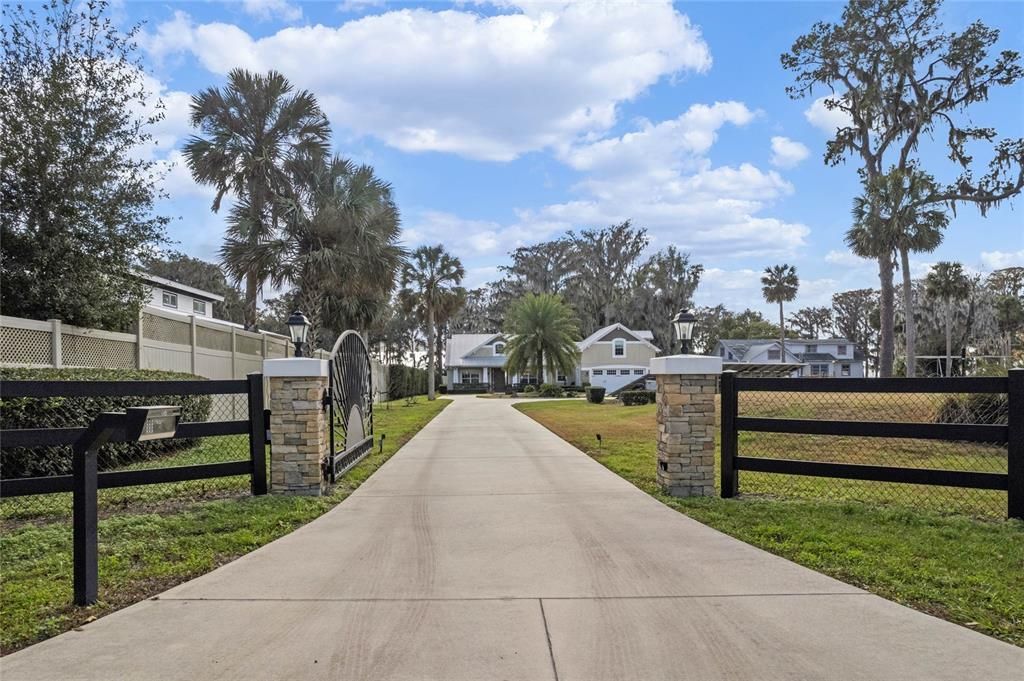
503 124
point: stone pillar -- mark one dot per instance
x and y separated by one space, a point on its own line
686 423
298 425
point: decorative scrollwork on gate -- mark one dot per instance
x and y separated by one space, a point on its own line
351 394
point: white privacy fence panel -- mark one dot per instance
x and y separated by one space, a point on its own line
168 342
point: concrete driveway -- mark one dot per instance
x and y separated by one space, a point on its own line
488 548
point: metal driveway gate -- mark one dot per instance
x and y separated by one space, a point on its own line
351 399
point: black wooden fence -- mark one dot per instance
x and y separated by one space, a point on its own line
1006 431
32 397
253 426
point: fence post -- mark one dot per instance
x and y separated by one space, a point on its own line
56 351
257 435
193 336
86 562
730 436
1015 445
139 339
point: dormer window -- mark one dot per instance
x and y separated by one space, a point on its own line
841 350
812 348
499 348
774 354
618 348
199 307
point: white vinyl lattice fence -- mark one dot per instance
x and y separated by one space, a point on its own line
167 342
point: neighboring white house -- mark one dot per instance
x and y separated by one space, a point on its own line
610 357
821 358
170 295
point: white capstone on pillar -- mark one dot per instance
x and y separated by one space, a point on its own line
686 423
298 425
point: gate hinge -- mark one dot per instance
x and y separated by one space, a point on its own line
325 401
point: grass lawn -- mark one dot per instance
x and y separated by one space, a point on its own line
144 553
964 569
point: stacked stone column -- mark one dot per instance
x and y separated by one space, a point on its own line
686 423
298 425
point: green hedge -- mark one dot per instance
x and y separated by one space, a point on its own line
72 412
406 381
634 398
551 390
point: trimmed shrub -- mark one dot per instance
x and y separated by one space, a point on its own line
77 412
980 408
551 390
529 389
634 398
406 381
469 388
595 394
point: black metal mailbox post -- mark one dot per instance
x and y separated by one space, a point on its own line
132 425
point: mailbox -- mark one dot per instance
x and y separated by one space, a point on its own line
151 423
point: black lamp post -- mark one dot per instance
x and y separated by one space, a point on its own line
298 329
683 324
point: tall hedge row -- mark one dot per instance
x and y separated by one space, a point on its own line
72 412
406 381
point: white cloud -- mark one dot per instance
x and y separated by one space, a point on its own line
272 9
847 259
665 144
825 119
997 260
474 238
484 87
787 153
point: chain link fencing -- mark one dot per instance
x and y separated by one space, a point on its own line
925 408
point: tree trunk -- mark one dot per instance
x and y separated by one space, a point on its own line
909 306
251 291
430 352
540 368
782 333
949 339
886 341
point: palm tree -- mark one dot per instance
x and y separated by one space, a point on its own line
948 283
779 285
889 219
428 278
338 245
249 132
543 334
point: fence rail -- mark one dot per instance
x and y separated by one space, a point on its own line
1008 434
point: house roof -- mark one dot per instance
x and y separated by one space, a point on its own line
644 336
751 347
180 288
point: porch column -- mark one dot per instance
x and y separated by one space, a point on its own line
686 423
298 425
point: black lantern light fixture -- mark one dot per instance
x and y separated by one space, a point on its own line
683 324
298 329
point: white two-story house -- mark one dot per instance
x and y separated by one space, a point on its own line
172 296
610 357
821 358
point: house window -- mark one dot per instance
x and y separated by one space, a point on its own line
812 348
171 300
471 377
819 370
618 348
639 372
844 370
774 354
599 372
841 350
560 378
199 306
499 348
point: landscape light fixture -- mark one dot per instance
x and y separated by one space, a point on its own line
683 324
298 329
